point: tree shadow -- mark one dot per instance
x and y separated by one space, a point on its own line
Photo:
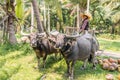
50 61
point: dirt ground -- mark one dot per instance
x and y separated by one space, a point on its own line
109 54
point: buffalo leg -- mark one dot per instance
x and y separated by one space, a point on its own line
38 59
93 50
84 64
56 56
68 67
93 60
72 70
44 60
60 56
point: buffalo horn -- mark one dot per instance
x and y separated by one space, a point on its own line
41 34
54 33
73 36
24 34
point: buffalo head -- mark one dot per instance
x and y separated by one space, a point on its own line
34 38
63 42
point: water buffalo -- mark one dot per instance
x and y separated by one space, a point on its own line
78 48
42 46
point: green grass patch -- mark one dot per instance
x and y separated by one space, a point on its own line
22 68
18 62
7 48
110 45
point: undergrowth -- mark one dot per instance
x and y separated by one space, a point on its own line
7 48
109 36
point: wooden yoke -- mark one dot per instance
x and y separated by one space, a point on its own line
71 30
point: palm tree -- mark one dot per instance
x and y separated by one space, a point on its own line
10 8
3 18
37 16
19 11
32 19
11 11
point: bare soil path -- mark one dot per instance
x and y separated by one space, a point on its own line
110 54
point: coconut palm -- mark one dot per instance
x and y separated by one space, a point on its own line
36 13
10 10
23 10
11 13
104 12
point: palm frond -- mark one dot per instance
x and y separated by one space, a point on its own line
19 9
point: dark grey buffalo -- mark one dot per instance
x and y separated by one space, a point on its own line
77 48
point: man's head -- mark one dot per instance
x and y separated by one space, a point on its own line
86 15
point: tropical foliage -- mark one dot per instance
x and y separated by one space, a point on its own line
57 14
18 61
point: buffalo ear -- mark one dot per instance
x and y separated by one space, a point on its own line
74 39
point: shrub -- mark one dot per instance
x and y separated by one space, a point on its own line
6 48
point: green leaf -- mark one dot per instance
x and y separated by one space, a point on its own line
19 9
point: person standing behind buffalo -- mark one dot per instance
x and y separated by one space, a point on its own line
85 23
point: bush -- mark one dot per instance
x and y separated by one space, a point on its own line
109 36
6 48
26 48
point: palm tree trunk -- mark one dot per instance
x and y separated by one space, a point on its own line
32 18
10 27
78 16
48 19
58 26
37 15
44 15
4 31
113 26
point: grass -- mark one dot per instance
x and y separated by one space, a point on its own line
109 45
18 62
22 68
109 42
